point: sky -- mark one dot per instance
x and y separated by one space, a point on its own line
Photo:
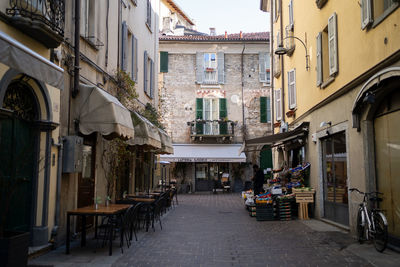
226 15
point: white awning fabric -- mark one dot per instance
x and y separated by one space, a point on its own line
98 111
166 143
205 153
18 56
146 133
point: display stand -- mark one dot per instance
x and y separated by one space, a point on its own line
303 197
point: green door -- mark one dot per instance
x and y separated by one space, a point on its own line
17 157
266 157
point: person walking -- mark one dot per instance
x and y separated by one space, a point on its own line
258 179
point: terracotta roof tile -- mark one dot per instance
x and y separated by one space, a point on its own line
253 36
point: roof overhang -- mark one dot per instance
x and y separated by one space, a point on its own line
18 56
299 132
146 133
205 153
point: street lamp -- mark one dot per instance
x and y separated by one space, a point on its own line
283 51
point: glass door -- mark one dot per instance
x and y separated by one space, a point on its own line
334 157
202 177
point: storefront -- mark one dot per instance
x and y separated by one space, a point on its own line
205 167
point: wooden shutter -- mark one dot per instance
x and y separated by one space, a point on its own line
145 72
268 67
84 18
163 61
261 65
135 58
151 78
268 109
366 13
319 59
292 88
221 67
291 20
278 106
199 115
199 67
223 114
124 46
263 109
332 39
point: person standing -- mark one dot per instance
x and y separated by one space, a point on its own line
258 179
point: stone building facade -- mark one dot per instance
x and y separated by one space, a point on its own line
213 90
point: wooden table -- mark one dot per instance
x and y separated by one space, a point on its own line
110 210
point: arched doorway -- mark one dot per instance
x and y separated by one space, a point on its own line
18 155
387 153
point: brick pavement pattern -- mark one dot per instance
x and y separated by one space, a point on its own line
216 230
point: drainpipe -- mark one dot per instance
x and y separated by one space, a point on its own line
271 48
75 91
60 147
282 72
242 78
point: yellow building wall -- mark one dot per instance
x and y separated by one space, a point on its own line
358 50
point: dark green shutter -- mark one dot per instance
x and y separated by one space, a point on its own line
163 61
268 109
263 109
223 114
266 157
199 115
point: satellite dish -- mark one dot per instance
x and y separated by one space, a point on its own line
235 99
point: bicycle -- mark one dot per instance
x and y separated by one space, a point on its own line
371 223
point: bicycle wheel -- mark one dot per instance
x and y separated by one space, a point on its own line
360 227
381 231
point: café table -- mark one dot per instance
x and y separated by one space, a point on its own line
110 211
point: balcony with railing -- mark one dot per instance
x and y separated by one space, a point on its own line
220 130
43 20
210 76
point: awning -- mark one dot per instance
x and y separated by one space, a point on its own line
166 143
18 56
146 133
205 153
299 131
98 111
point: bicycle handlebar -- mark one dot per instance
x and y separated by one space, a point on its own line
364 193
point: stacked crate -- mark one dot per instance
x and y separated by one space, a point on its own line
265 212
284 209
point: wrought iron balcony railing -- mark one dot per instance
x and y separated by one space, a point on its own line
212 128
42 19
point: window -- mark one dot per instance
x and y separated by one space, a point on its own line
129 52
210 68
264 67
376 11
327 53
148 70
276 9
292 88
278 106
212 111
148 15
87 20
265 109
163 61
291 19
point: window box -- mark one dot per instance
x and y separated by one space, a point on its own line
291 113
210 69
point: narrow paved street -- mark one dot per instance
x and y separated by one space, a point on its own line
216 230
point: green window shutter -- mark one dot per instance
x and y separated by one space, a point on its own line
268 109
163 61
199 115
223 114
263 109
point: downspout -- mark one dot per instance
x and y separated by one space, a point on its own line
119 34
76 48
244 132
54 231
282 69
108 10
272 55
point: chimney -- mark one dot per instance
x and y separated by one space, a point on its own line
241 35
226 35
212 32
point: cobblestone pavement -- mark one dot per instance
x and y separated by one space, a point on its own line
216 230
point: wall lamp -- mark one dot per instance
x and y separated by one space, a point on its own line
280 50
